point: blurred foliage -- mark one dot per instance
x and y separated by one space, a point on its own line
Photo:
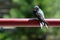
51 9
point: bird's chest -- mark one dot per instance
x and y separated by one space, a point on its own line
37 14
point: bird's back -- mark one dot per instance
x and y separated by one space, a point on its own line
40 13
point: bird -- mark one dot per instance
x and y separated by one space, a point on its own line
40 15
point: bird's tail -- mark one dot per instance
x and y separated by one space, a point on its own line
44 24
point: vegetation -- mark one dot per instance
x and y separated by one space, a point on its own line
51 9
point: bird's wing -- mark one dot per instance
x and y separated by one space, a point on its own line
41 14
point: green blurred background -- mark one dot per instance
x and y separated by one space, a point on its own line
23 9
51 8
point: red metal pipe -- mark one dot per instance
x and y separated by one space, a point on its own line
28 22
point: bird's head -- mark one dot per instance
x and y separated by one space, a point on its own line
36 8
